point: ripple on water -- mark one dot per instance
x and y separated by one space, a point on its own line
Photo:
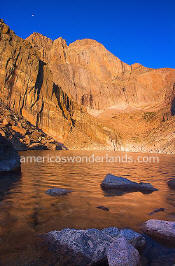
26 208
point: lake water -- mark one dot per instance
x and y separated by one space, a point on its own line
26 210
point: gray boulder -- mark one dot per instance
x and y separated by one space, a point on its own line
122 253
121 183
57 191
111 231
9 158
134 238
84 247
161 230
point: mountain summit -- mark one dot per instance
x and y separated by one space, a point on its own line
84 96
99 80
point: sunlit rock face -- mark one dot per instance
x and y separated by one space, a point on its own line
28 88
135 101
26 84
57 87
99 80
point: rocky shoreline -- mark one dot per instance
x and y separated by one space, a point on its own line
113 246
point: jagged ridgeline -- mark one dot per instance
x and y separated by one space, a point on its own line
27 88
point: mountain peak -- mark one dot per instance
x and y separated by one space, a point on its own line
85 42
38 35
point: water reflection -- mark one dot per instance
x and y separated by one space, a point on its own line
27 210
7 181
117 192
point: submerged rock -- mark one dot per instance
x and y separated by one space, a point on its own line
157 210
103 208
85 247
120 183
171 183
58 191
161 230
9 158
120 252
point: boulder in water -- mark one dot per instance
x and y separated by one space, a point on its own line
112 182
161 230
9 158
57 191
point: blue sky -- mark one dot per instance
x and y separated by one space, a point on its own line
135 31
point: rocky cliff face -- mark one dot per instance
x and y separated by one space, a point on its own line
99 80
56 87
137 102
27 88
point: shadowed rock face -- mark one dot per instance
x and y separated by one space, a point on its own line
10 167
9 158
27 88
